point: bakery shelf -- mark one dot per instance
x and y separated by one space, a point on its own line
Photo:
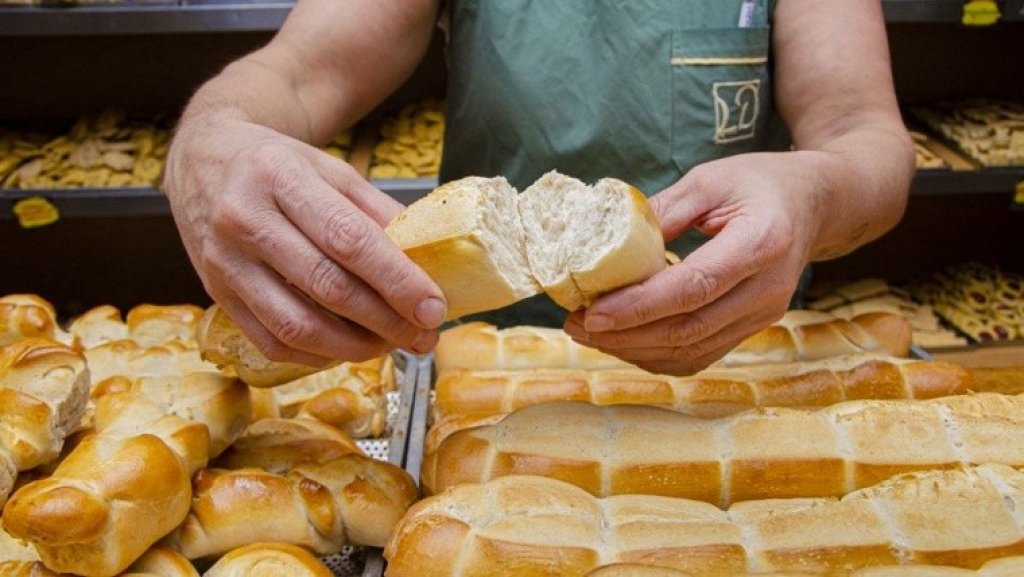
942 11
984 180
135 202
142 18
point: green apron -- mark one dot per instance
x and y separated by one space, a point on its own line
640 90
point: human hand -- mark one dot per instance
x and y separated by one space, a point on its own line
289 240
763 211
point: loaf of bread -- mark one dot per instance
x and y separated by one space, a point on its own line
44 389
1006 380
350 500
125 487
522 525
1005 567
280 445
488 247
26 316
157 562
269 560
127 358
808 336
147 325
711 393
349 396
760 454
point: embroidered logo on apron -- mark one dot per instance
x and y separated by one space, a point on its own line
737 108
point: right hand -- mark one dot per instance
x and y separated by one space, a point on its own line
289 240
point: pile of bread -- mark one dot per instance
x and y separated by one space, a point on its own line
410 142
123 451
989 131
980 300
814 448
925 157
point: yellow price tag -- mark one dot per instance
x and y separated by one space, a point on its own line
1018 196
35 211
981 13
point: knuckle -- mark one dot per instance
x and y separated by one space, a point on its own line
271 163
691 328
346 235
292 330
700 288
327 284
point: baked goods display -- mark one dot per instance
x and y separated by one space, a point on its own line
766 454
980 300
487 246
410 142
852 298
104 150
712 393
522 525
989 131
340 146
925 157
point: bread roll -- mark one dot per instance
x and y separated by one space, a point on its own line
487 248
122 489
712 393
533 525
350 396
761 454
97 326
280 445
269 560
479 346
26 316
151 325
128 359
350 500
43 394
157 562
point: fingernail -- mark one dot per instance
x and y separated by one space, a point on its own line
423 342
597 323
430 312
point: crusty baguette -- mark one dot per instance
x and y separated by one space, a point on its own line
350 500
480 346
808 336
26 316
1005 567
280 445
533 525
759 454
349 396
122 489
44 389
712 393
269 560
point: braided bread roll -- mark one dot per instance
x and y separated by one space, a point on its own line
533 525
43 395
26 316
157 562
97 326
122 489
711 393
269 560
349 396
763 454
280 445
147 325
128 359
1006 567
322 507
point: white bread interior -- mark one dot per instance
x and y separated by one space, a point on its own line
487 247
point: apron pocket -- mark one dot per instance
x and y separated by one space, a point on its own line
721 92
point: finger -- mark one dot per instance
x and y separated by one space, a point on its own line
304 266
298 323
704 276
358 244
259 335
382 208
680 205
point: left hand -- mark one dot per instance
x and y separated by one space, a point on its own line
763 211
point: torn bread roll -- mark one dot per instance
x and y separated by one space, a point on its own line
487 247
269 560
711 393
44 390
524 525
762 454
127 486
352 500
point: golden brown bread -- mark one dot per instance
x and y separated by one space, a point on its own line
44 390
711 393
349 396
1006 380
128 359
759 454
97 326
350 500
26 316
534 525
269 560
480 346
808 336
122 489
146 324
157 562
280 445
1005 567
